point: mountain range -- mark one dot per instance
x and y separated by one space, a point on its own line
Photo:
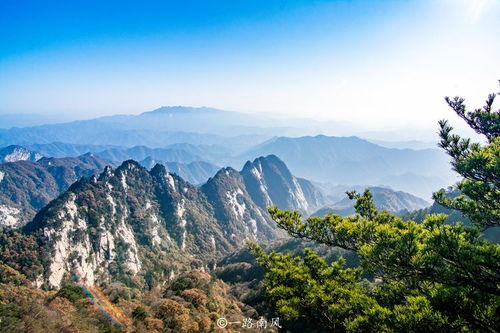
179 152
396 202
197 172
346 161
354 161
158 128
135 224
224 138
176 124
125 222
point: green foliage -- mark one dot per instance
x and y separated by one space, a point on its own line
140 313
328 294
71 292
364 205
10 318
428 276
428 260
478 164
21 252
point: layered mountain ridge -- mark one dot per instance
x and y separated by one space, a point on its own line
196 172
354 161
386 199
332 159
130 223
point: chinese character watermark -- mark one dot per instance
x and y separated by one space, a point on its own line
275 322
249 323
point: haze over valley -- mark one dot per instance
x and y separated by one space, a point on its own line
222 138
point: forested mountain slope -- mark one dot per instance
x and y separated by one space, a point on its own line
27 186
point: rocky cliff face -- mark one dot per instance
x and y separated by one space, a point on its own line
131 223
17 153
269 182
233 205
145 226
26 186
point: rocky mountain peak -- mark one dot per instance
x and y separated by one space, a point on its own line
270 182
107 173
16 153
129 223
125 221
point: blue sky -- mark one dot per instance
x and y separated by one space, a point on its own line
372 62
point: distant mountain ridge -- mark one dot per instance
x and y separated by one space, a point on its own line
157 128
172 110
61 149
26 119
27 186
336 160
16 153
197 172
139 153
178 152
383 198
191 162
351 160
333 159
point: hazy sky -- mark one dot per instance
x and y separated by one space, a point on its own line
372 62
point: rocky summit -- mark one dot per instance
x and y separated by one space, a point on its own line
14 153
270 182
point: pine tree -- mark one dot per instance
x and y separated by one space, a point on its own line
478 164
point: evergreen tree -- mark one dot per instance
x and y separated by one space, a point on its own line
427 276
478 164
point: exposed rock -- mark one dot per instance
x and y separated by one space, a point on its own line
128 221
18 153
269 182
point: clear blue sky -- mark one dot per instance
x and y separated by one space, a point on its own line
365 61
